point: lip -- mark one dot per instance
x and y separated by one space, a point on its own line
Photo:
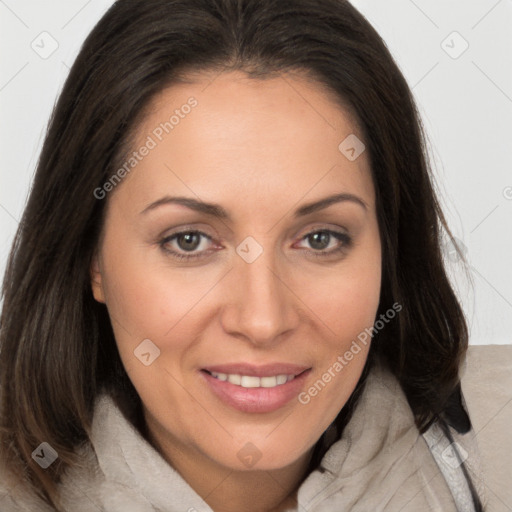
256 400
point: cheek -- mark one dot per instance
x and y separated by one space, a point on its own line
145 293
148 302
345 300
142 304
345 307
147 299
137 300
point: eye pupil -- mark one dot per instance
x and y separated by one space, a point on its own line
189 241
319 240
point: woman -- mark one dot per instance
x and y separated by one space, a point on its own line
227 291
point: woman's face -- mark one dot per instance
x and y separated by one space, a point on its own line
265 269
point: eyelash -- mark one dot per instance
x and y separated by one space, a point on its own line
342 237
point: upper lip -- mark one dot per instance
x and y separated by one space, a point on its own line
266 370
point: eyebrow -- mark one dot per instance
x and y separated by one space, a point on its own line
217 211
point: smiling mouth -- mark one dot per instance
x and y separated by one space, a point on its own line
255 389
251 381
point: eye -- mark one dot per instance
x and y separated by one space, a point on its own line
186 244
326 242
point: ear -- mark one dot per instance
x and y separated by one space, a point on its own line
96 279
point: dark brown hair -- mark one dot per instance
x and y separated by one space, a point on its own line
57 346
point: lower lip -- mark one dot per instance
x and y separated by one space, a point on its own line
256 400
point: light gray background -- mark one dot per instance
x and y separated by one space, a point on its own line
465 100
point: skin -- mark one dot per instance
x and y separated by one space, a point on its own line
261 150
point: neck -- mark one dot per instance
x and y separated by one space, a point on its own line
227 490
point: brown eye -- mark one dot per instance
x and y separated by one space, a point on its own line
188 241
325 242
186 244
319 240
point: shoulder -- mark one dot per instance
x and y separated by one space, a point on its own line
76 488
486 379
80 483
17 496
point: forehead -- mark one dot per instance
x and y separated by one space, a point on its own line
214 134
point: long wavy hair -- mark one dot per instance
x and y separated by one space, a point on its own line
56 343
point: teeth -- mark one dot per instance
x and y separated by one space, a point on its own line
249 381
268 382
234 379
281 379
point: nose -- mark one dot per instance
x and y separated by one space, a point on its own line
259 306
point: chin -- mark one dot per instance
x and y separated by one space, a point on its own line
263 456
